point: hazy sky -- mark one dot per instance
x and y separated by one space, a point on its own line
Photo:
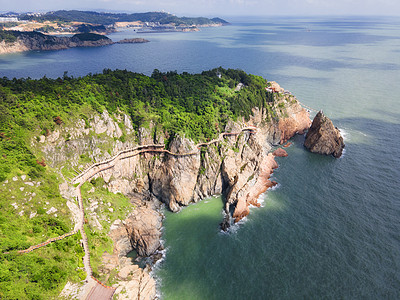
216 7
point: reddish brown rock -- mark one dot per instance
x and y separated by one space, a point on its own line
297 123
287 145
267 166
280 153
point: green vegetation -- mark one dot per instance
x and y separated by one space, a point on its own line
111 18
90 36
7 36
41 273
195 105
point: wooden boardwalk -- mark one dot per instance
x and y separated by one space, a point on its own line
100 291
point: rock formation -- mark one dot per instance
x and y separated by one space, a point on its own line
280 153
323 137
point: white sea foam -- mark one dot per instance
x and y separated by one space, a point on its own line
343 153
345 134
275 187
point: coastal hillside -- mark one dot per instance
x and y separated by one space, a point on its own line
90 159
103 18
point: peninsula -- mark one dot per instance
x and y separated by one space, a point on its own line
87 162
16 41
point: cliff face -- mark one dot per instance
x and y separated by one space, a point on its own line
323 137
238 165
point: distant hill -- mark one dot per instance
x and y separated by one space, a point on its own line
102 18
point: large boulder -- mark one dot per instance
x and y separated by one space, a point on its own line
323 137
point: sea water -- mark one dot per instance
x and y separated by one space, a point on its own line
331 228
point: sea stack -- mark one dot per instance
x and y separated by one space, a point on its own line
323 137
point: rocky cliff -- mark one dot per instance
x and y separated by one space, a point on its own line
323 137
237 165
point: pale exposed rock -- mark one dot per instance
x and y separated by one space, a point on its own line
6 181
140 286
42 139
173 180
71 291
29 183
116 225
143 226
128 124
15 178
54 136
51 210
15 205
21 213
32 215
21 189
95 222
128 271
66 191
23 177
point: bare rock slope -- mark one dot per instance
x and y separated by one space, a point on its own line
323 137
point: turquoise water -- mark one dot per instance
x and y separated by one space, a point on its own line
331 228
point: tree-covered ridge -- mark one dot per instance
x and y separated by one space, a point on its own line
197 106
111 18
10 36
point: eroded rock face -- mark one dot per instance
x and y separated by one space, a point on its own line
174 178
144 230
323 137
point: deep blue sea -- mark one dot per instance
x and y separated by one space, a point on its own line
331 229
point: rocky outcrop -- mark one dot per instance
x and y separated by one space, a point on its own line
323 137
140 231
143 226
280 153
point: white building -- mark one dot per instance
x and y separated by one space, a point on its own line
8 19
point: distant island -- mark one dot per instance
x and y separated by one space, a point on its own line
74 21
16 41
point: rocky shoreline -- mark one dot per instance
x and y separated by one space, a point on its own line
239 167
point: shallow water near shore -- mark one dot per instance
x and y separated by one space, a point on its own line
331 228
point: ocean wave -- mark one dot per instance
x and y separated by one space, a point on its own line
345 134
